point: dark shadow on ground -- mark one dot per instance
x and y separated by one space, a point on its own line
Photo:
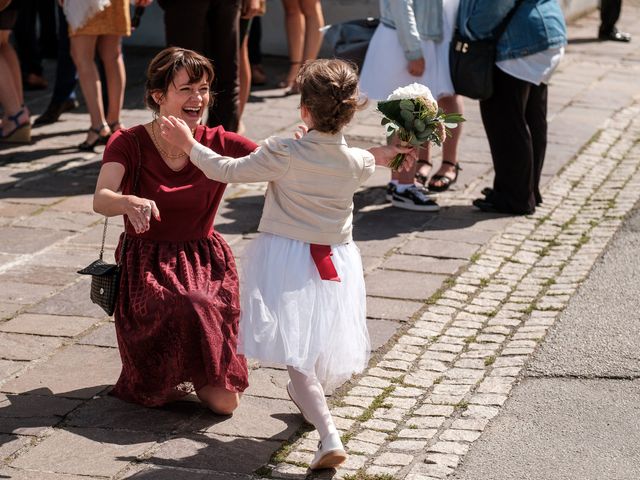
180 428
581 40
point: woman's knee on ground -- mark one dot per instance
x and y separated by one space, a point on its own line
219 400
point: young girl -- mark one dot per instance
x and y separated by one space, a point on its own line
302 286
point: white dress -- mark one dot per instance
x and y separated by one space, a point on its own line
385 66
289 315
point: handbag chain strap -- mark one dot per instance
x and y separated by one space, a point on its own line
135 188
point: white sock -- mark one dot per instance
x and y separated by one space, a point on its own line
310 396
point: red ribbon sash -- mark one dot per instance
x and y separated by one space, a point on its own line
321 255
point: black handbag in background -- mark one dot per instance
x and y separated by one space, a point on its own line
105 277
350 40
471 61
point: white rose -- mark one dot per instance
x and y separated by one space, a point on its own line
411 91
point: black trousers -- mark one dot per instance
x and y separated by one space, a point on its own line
30 14
210 27
609 14
515 120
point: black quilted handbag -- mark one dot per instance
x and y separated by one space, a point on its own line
105 277
471 61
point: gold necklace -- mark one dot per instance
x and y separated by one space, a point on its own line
160 149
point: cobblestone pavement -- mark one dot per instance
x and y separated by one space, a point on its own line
457 301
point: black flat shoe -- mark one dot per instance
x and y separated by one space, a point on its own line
487 206
445 182
100 140
615 36
54 110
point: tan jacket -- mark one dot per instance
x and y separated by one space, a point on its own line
311 183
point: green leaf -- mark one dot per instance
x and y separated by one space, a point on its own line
419 125
406 104
391 110
407 116
384 121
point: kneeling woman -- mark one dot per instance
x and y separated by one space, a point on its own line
178 310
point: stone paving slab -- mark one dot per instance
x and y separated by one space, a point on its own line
88 451
78 371
50 325
26 347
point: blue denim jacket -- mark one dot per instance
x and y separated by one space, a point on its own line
537 25
413 20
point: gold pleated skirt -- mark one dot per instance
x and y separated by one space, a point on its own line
113 20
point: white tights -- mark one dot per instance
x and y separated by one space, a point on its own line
309 394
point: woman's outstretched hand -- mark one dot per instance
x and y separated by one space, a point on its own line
177 132
139 210
385 154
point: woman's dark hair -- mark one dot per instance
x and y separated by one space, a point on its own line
166 64
329 91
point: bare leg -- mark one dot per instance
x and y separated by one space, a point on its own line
83 49
11 97
110 51
11 57
451 104
294 22
244 75
313 22
219 400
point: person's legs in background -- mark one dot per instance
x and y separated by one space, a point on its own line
244 69
110 51
447 174
402 190
303 20
16 127
222 46
64 96
504 121
83 49
258 75
313 22
27 46
536 115
294 24
609 15
48 37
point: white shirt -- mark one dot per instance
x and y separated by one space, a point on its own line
536 68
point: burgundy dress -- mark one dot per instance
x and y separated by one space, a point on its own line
177 315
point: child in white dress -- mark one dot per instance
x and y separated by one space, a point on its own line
302 289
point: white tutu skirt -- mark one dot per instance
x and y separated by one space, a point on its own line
289 315
385 66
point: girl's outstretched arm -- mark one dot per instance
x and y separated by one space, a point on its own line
384 154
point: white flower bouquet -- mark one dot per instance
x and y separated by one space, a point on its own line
413 115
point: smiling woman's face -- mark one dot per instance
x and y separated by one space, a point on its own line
185 99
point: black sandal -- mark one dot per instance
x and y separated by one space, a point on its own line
420 177
445 181
101 140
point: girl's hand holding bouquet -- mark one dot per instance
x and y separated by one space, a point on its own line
413 115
